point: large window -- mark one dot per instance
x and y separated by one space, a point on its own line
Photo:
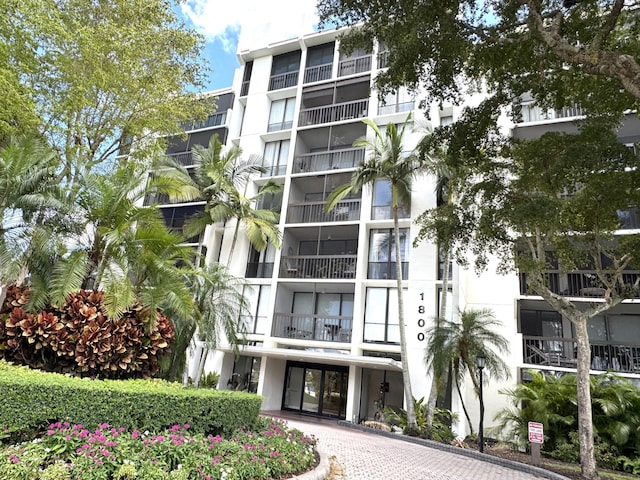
381 207
257 297
381 316
319 62
275 158
260 264
382 253
281 115
284 70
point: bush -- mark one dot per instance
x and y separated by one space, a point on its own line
33 399
79 338
72 451
440 430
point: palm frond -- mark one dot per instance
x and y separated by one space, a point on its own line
67 276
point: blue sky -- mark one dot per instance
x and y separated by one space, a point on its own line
230 25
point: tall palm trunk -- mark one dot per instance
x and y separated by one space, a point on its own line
406 378
463 405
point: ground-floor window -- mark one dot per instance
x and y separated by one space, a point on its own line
380 389
246 371
316 389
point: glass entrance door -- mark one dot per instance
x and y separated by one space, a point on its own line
316 389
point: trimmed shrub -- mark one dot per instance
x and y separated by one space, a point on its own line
32 400
79 338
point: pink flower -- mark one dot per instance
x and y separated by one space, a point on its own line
187 426
14 459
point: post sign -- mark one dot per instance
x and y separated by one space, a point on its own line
536 435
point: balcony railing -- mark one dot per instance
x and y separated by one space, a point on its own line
312 212
583 283
383 59
395 108
244 89
314 266
318 73
534 113
333 113
386 270
332 160
325 328
277 126
351 66
284 80
562 352
274 170
259 270
183 158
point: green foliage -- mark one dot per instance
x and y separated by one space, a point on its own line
440 430
552 402
210 380
32 399
270 450
78 338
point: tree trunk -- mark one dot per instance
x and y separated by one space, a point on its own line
464 407
585 419
436 382
406 378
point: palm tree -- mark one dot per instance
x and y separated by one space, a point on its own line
455 346
29 199
222 179
218 308
386 161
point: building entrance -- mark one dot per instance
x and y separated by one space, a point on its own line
316 389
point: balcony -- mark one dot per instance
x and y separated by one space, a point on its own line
183 158
284 80
318 73
326 328
330 160
383 59
333 113
314 212
533 113
561 352
314 266
583 283
395 108
274 170
351 66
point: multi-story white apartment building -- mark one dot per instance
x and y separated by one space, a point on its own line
323 332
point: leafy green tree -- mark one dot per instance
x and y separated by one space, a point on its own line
453 346
386 161
86 69
549 203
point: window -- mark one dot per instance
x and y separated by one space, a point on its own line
381 207
382 255
381 316
257 297
260 264
246 78
281 115
275 158
175 218
400 101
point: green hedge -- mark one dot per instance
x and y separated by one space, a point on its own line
32 399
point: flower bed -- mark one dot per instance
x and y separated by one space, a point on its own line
72 452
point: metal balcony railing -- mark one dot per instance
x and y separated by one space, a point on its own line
325 328
582 283
274 170
351 66
183 158
333 113
284 80
318 266
318 73
244 89
312 212
395 108
562 352
330 160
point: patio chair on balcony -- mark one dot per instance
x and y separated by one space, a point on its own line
292 268
341 213
544 358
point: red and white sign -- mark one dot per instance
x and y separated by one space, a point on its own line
536 435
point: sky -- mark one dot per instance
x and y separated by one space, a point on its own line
229 25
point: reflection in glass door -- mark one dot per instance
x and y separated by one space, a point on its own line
316 389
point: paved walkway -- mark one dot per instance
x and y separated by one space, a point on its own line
364 456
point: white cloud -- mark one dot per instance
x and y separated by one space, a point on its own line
254 22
